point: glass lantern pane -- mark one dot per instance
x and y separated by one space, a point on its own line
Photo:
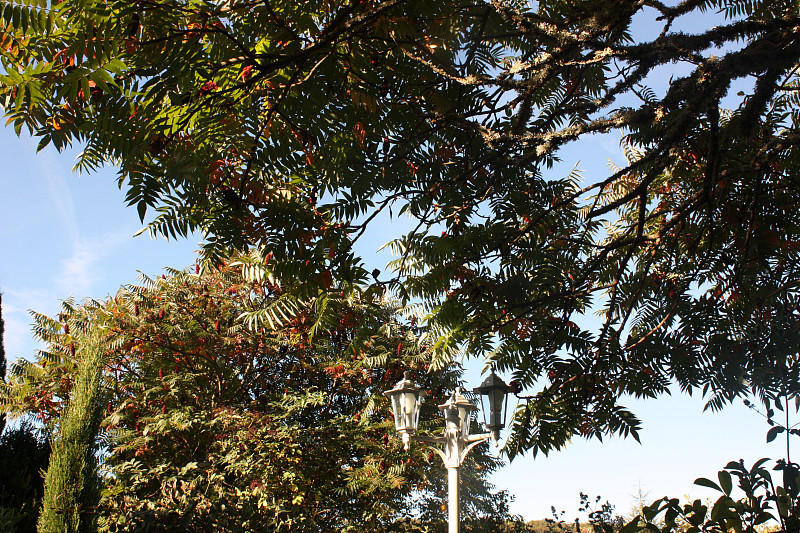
496 402
409 410
484 411
464 414
398 411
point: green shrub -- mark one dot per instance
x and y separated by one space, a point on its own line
764 502
23 457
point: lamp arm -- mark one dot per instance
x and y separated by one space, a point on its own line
434 440
471 442
423 438
440 453
477 438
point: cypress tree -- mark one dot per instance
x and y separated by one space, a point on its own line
71 483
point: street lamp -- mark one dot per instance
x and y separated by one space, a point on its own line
406 398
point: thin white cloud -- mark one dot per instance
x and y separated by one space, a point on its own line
52 171
19 300
78 273
78 276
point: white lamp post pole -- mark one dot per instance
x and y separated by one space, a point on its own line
456 442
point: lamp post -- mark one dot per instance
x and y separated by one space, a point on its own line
407 398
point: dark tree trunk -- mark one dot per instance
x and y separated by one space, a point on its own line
2 359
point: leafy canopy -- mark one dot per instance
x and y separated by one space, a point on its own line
289 126
210 425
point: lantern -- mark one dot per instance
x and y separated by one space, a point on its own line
406 399
496 391
458 406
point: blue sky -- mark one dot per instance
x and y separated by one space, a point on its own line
64 234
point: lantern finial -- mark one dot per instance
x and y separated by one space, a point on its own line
457 411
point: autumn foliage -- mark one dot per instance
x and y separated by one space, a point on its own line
210 425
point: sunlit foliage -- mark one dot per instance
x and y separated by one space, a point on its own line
211 425
287 127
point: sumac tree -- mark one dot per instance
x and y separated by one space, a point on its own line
288 127
211 425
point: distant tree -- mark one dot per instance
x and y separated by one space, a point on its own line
24 456
211 425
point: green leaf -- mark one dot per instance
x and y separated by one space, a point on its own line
24 13
725 482
633 526
774 432
705 482
141 207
